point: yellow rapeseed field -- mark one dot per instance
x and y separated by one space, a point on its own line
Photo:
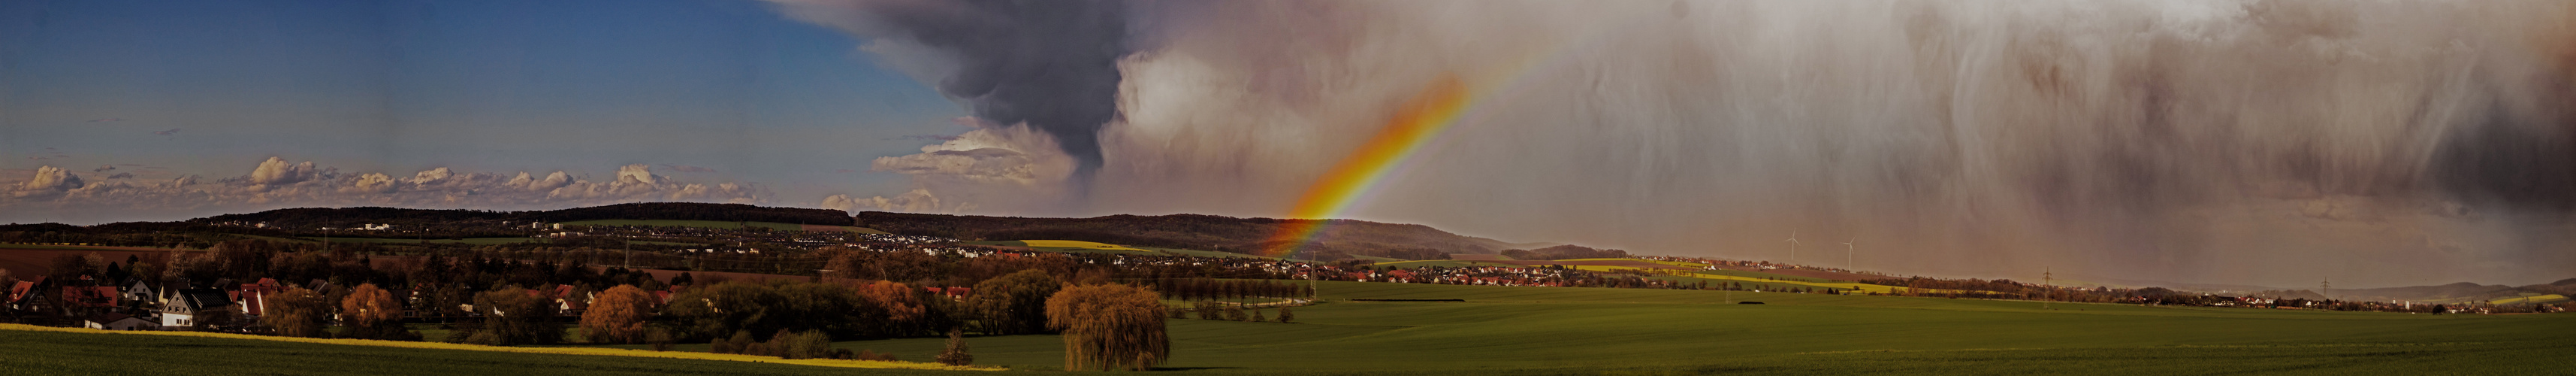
2530 299
532 350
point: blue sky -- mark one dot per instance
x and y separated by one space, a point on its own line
478 86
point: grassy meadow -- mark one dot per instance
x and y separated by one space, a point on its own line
1535 330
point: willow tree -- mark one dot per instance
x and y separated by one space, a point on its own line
1110 327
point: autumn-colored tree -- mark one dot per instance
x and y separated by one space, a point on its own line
1015 303
296 312
370 312
1110 327
896 299
618 315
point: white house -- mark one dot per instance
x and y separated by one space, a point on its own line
187 305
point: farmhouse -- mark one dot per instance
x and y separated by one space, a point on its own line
141 292
23 295
118 321
190 305
252 299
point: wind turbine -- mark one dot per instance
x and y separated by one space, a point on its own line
1793 247
1847 253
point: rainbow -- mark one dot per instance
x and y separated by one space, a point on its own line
1414 124
1445 102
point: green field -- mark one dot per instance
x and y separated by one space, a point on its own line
1534 330
707 224
107 354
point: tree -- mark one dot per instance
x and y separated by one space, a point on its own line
296 312
1015 303
70 266
373 313
723 309
1286 317
1110 327
1209 310
956 354
1256 316
896 305
515 316
618 315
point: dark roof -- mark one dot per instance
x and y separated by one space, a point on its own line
201 299
105 318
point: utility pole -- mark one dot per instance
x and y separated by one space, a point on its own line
2047 285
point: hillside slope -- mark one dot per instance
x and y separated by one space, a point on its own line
1340 237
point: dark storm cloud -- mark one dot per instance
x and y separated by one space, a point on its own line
1050 64
2513 160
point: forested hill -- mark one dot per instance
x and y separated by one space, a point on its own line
1340 237
651 210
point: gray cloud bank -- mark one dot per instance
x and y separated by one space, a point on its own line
58 194
2277 142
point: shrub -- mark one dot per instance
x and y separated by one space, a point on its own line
956 354
1210 311
659 337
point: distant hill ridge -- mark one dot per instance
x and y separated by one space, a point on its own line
1340 237
648 210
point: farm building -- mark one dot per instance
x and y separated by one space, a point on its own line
118 321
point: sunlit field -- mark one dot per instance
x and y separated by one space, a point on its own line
1533 330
